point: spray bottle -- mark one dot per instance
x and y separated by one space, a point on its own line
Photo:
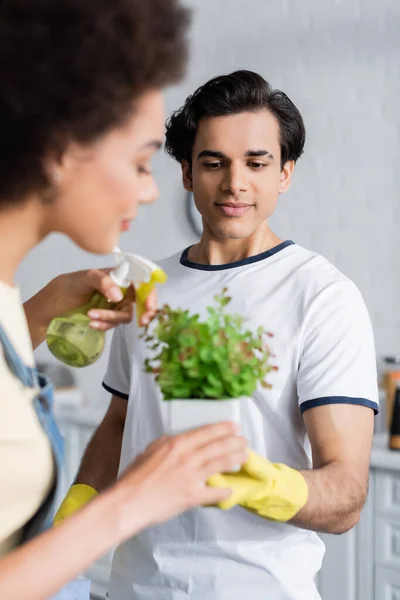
70 337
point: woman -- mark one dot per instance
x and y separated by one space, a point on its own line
81 116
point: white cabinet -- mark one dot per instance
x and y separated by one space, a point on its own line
388 499
387 584
363 564
347 572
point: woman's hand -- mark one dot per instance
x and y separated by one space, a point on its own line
170 476
71 290
167 479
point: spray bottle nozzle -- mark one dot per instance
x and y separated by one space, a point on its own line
141 272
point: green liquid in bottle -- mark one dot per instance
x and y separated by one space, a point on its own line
72 340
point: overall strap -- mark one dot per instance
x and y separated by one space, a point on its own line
27 375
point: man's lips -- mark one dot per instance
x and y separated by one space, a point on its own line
233 209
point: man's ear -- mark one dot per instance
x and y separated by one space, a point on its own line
187 176
286 176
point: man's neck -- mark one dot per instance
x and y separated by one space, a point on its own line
216 251
20 231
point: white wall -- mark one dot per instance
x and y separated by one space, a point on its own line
339 62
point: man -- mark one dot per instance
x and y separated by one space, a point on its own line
237 141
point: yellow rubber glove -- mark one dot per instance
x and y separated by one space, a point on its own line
78 495
271 490
144 289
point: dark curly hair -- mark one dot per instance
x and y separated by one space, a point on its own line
238 92
71 69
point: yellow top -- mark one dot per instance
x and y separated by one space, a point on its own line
144 289
26 463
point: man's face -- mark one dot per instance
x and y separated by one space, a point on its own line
236 173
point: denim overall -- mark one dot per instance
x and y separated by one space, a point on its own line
43 404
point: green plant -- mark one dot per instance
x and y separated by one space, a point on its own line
216 359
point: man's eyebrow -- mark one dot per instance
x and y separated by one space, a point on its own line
260 153
249 153
211 153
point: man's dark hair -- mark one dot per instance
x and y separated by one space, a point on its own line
241 91
71 69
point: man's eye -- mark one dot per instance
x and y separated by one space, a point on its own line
213 165
257 166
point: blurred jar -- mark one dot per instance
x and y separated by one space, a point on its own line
394 435
390 376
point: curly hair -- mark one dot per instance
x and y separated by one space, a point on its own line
236 93
71 69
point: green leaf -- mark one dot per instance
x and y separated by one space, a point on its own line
225 300
214 380
210 391
205 354
187 340
191 362
193 373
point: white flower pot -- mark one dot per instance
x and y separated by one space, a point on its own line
183 415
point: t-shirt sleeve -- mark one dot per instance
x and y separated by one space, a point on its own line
337 362
117 377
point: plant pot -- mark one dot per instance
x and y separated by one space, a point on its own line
183 415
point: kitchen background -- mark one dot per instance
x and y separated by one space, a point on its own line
339 62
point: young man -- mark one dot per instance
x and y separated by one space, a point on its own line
237 141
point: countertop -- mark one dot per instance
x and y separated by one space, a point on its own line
381 456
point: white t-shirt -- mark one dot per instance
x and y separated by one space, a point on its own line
324 349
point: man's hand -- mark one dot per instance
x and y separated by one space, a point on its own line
327 498
71 290
271 490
